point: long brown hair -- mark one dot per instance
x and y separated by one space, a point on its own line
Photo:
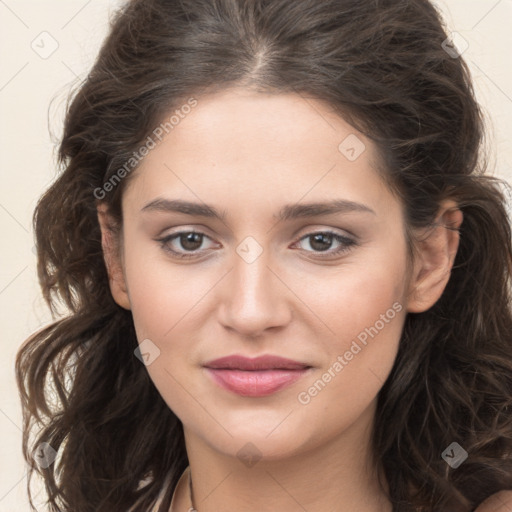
383 66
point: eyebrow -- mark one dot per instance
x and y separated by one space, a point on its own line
290 211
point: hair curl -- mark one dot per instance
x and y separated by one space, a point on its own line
380 64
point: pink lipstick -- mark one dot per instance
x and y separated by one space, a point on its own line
255 377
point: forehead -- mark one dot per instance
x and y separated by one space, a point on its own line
260 146
238 115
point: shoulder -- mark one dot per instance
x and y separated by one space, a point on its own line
500 502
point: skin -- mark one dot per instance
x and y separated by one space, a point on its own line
248 154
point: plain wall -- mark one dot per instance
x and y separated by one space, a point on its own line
33 90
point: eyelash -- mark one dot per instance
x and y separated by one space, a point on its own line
346 241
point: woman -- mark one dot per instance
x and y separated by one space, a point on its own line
288 276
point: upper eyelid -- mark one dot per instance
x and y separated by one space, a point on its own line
311 231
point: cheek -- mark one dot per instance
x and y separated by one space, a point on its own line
363 352
163 296
364 310
358 296
165 300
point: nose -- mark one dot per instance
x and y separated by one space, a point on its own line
254 298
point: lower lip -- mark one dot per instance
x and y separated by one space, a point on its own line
255 383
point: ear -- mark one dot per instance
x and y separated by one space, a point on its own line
112 257
436 248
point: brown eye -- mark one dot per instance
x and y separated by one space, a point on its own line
185 244
322 241
191 241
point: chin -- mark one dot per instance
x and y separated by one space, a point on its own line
266 440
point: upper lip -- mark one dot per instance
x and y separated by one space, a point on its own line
266 362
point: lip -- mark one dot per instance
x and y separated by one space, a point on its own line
266 362
255 377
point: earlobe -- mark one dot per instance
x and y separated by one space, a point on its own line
436 248
111 255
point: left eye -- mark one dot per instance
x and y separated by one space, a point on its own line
322 241
191 242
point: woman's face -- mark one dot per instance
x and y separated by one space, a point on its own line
299 254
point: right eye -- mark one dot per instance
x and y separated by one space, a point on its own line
183 244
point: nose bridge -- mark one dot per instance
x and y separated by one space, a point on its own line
254 298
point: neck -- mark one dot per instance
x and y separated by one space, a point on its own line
337 476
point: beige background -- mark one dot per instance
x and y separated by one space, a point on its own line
33 90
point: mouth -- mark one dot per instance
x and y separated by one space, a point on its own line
255 377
